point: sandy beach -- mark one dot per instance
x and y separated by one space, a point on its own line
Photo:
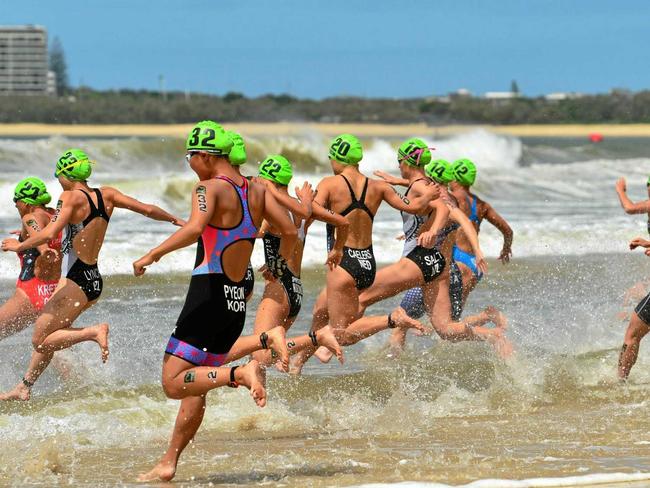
295 128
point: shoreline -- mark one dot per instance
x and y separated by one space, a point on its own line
296 128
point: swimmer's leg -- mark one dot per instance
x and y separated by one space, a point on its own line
367 326
52 332
342 305
391 280
181 379
272 311
16 314
469 281
188 421
323 337
439 306
320 319
630 350
273 340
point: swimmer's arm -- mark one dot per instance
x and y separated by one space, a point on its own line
428 238
60 219
204 202
32 227
341 224
500 223
278 218
390 179
120 200
399 202
628 205
301 208
459 216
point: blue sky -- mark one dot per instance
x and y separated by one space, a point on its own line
315 49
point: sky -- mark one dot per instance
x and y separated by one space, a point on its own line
374 48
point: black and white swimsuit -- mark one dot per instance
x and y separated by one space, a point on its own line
86 276
430 261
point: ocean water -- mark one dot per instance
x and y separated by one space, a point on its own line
440 415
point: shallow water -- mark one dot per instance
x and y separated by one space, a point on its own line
444 412
447 413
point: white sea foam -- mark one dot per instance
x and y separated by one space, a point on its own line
586 480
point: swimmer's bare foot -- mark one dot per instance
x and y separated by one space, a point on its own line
403 321
326 339
163 471
101 338
297 363
251 377
323 354
278 343
20 392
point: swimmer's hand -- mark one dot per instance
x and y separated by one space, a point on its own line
401 237
16 232
620 185
140 266
266 273
305 194
179 222
427 239
334 258
506 254
481 263
639 242
10 245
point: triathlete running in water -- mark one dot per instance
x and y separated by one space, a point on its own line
426 247
40 267
282 297
227 211
639 324
353 195
435 294
464 273
82 214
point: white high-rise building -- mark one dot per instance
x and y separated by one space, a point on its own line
24 60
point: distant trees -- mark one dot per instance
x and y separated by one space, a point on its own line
87 106
59 67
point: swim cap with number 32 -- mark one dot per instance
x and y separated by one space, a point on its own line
210 137
346 149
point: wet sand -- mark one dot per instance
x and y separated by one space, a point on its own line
295 128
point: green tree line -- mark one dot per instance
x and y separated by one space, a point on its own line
87 106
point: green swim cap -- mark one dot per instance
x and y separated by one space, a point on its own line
32 191
276 168
75 165
238 152
440 171
346 149
210 137
414 152
464 172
